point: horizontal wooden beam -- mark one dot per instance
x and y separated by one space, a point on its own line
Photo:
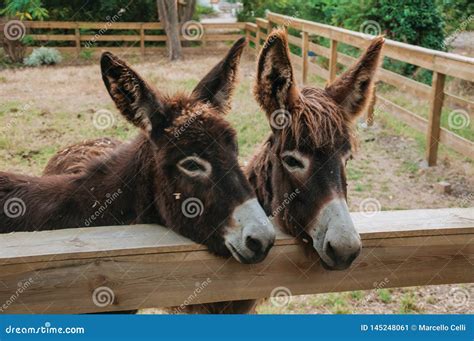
144 266
115 25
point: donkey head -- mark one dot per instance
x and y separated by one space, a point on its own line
310 144
199 189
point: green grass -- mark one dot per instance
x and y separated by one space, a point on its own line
408 303
384 295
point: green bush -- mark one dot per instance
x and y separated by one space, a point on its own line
417 22
43 56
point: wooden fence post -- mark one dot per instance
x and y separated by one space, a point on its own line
333 61
269 28
434 121
304 55
142 40
258 37
77 34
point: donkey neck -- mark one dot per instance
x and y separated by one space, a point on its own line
130 172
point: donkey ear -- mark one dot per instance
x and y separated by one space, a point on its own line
275 86
353 88
135 99
217 86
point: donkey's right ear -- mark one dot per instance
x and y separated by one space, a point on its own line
275 86
135 99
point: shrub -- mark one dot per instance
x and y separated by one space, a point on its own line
43 56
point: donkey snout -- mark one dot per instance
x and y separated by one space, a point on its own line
342 251
254 234
334 236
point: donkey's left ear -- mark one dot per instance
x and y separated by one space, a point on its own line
217 86
353 88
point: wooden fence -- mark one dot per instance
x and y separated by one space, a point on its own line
145 32
141 266
442 64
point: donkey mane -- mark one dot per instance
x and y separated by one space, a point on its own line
316 120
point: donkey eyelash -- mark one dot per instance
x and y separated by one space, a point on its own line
195 166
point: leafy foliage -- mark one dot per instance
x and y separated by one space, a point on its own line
43 56
25 9
417 22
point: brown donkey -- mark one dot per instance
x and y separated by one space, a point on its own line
186 147
306 154
299 172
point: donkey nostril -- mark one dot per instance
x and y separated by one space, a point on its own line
330 252
353 256
253 244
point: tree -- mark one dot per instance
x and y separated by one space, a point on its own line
168 14
186 11
13 30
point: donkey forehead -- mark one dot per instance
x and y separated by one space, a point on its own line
201 127
317 124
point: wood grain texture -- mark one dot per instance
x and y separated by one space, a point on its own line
150 266
434 117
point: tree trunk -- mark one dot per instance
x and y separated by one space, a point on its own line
188 11
168 14
11 33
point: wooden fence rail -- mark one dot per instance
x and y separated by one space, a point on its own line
143 266
103 33
441 63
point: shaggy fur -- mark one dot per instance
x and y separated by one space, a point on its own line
137 181
321 126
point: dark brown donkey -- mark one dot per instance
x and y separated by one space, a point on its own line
186 146
299 172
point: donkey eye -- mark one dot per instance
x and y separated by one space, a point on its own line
292 162
192 166
195 166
